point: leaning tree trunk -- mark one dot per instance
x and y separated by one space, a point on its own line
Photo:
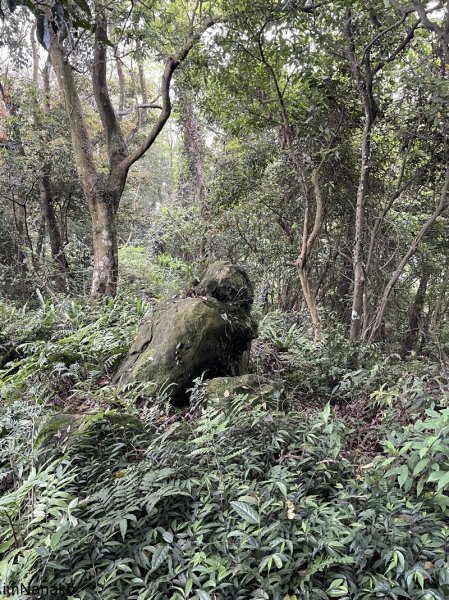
51 222
47 201
439 209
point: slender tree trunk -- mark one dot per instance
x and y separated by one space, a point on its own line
143 83
51 222
40 239
47 202
438 312
442 205
121 85
358 302
310 299
35 53
415 314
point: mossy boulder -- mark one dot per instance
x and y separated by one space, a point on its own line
62 429
228 283
258 389
58 429
184 338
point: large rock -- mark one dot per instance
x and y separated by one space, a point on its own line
185 338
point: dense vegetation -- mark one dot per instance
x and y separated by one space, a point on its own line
305 141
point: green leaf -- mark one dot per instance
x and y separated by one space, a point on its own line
420 466
202 595
326 412
282 487
444 481
335 584
84 6
246 512
159 556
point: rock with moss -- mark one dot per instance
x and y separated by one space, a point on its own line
60 430
184 338
258 390
228 283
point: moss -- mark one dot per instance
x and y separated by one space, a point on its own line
258 389
115 419
62 429
185 338
57 430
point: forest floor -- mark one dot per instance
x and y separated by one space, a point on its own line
339 491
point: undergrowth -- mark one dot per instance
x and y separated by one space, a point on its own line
343 496
236 505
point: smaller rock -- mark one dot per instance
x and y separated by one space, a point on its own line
60 430
227 283
259 390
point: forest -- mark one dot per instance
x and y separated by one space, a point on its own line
224 299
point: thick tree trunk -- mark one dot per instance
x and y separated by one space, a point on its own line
104 228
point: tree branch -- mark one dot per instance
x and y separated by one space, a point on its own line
171 65
117 150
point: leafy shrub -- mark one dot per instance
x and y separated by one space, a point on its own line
420 458
245 504
147 278
60 346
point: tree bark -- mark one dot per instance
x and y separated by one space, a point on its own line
47 202
415 314
121 85
105 273
101 202
364 82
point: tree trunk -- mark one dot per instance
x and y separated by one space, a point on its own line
121 84
47 204
415 314
438 312
104 227
143 83
101 203
359 273
103 194
310 301
51 222
442 205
